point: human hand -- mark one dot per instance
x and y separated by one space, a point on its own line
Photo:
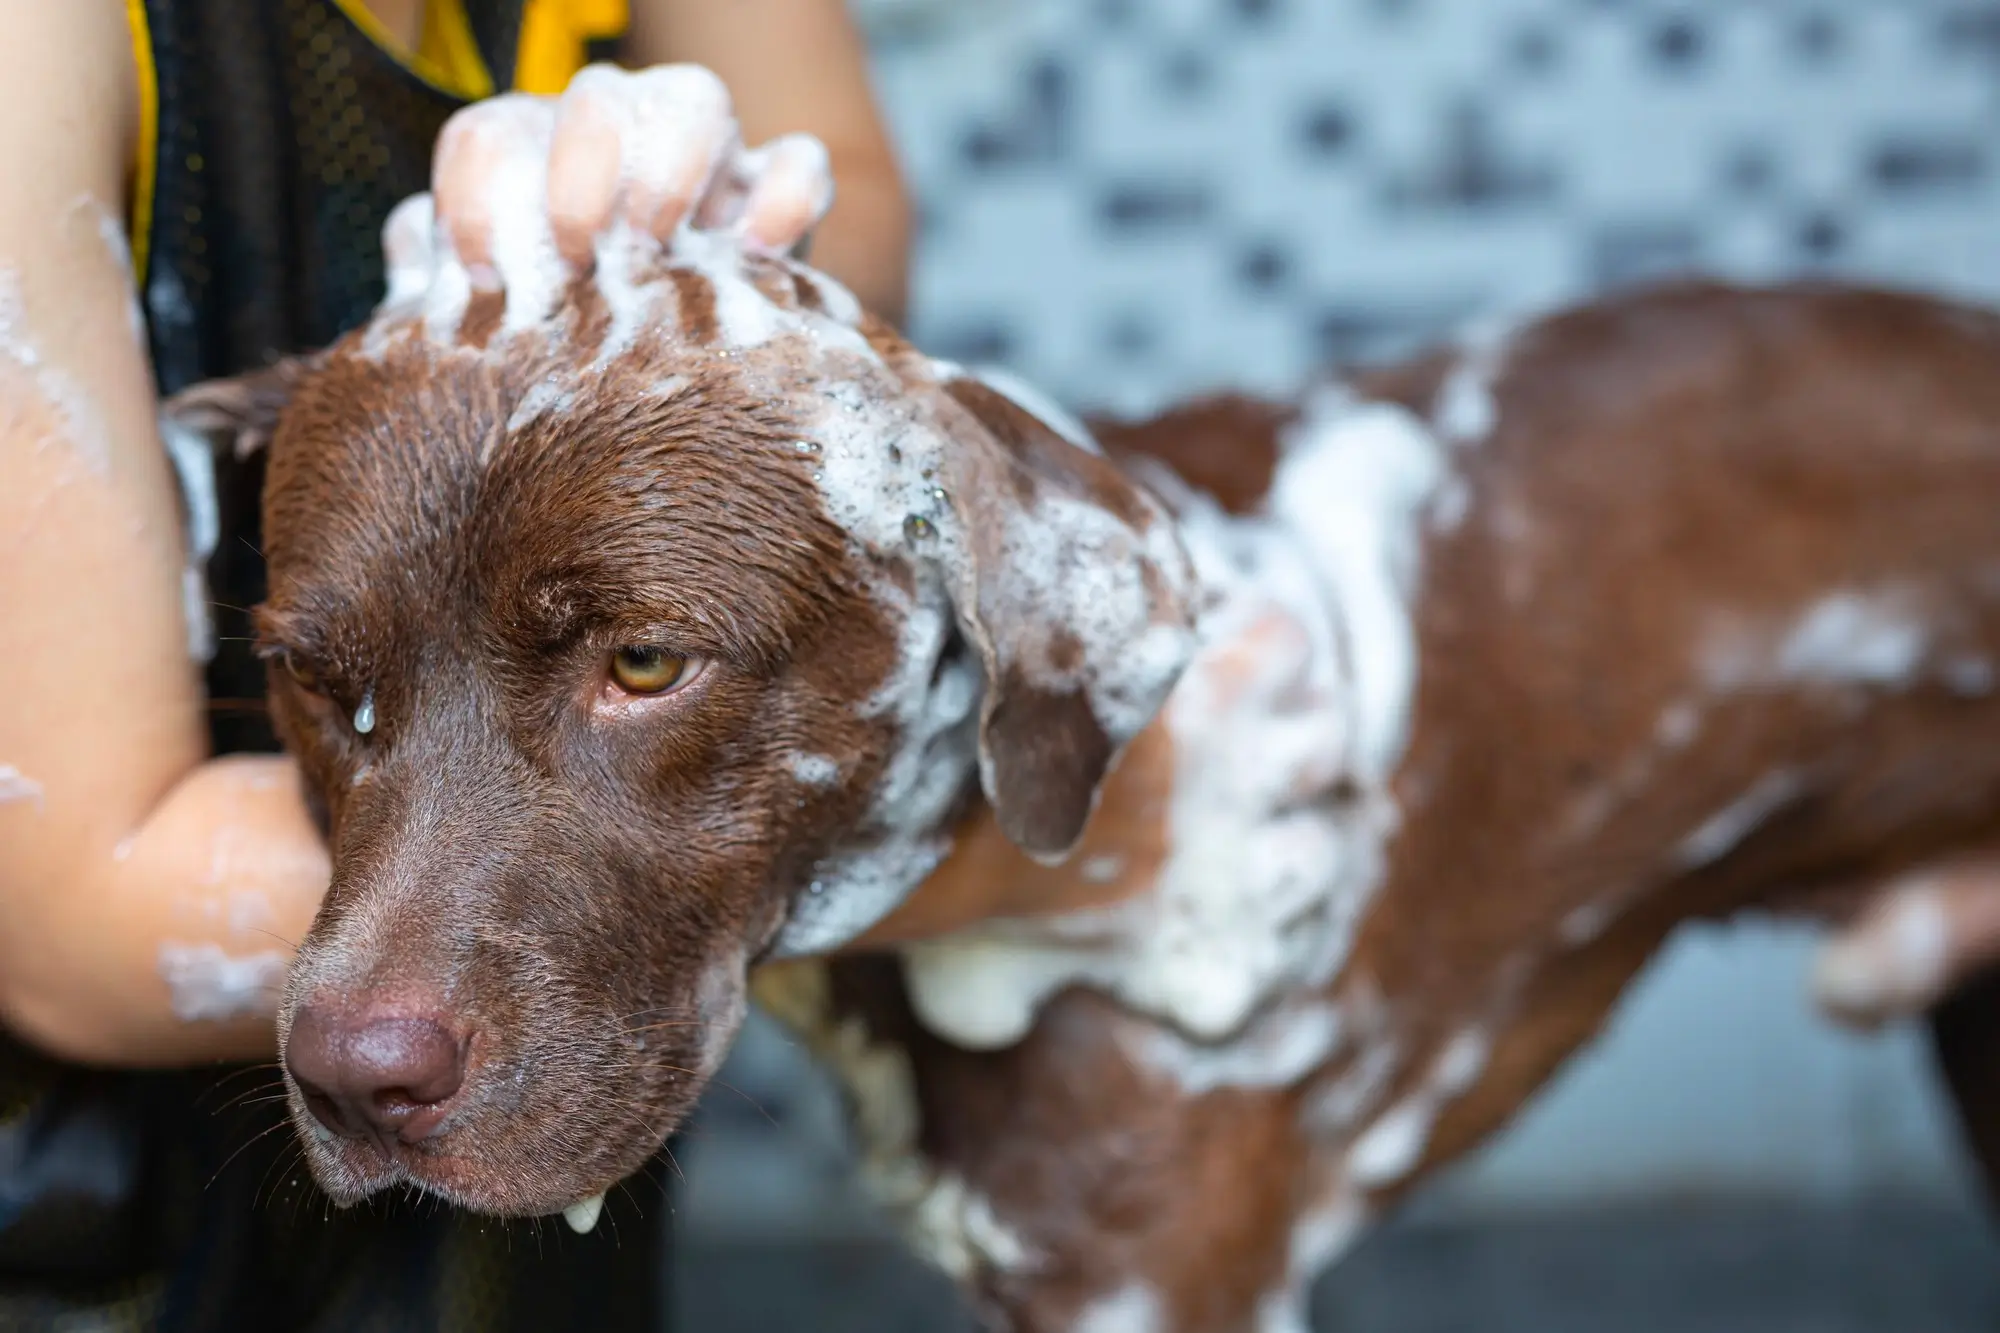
649 152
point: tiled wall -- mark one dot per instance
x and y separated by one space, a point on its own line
1129 200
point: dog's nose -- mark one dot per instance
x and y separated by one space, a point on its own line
375 1077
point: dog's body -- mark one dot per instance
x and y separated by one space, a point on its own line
1709 628
1676 605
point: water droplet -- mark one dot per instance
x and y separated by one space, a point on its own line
805 446
818 886
818 475
916 527
938 495
364 716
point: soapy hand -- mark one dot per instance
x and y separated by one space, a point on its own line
1916 940
651 151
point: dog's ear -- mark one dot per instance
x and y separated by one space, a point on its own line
238 413
1072 584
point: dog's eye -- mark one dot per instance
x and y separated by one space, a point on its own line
302 672
645 669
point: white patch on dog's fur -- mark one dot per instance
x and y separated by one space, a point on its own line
1267 879
207 983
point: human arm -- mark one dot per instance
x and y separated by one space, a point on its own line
119 838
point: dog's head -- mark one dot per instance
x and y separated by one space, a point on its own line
625 647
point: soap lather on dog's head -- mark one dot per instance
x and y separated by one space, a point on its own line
553 617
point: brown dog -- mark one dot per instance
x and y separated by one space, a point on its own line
641 625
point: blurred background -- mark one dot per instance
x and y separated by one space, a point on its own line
1131 200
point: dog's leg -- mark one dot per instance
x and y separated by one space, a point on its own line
1965 1035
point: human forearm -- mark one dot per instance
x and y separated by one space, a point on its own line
171 945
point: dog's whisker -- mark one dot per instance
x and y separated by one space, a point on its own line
241 1149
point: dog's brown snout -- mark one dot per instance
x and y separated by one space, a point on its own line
375 1076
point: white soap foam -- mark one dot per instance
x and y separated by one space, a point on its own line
1334 1110
1394 1145
17 787
1103 869
1969 676
815 770
1025 395
1673 731
201 527
111 232
1279 1049
1873 637
1319 1238
409 251
81 428
209 984
1725 830
955 1227
1133 1308
882 460
1262 890
1466 411
1586 923
167 304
